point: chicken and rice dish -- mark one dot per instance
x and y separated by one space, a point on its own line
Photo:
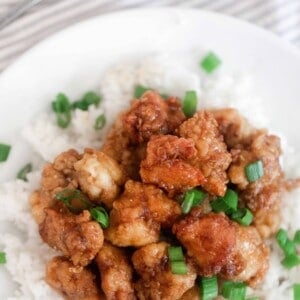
182 202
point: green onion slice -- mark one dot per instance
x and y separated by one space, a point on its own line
192 198
75 200
208 288
243 216
296 291
22 174
189 103
4 152
175 253
210 62
234 290
100 122
100 215
89 98
140 90
254 171
297 237
281 237
227 204
179 267
62 107
291 261
2 258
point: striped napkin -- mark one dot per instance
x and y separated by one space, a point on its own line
49 16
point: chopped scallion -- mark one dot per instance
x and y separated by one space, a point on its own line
291 261
175 254
100 215
100 122
75 201
2 258
234 290
62 107
243 216
208 288
89 98
210 62
297 237
4 152
179 267
192 198
296 291
227 203
281 237
22 174
189 103
254 171
140 90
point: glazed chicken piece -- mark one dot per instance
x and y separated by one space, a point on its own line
252 253
76 236
99 176
191 294
55 177
119 146
157 280
167 164
73 282
262 196
212 158
116 273
209 239
219 246
233 126
138 214
152 115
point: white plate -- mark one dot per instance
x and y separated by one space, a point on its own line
72 61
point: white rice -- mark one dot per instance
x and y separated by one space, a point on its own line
171 74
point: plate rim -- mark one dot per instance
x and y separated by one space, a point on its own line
220 17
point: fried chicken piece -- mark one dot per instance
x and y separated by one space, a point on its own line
210 240
138 214
76 236
119 146
152 115
252 253
191 294
56 176
116 273
167 164
99 176
212 158
157 280
235 128
73 282
262 196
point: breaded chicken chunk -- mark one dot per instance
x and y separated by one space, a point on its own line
73 282
116 273
233 126
252 254
262 196
76 236
56 176
99 176
119 146
219 246
152 115
167 164
157 280
212 158
138 214
210 240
